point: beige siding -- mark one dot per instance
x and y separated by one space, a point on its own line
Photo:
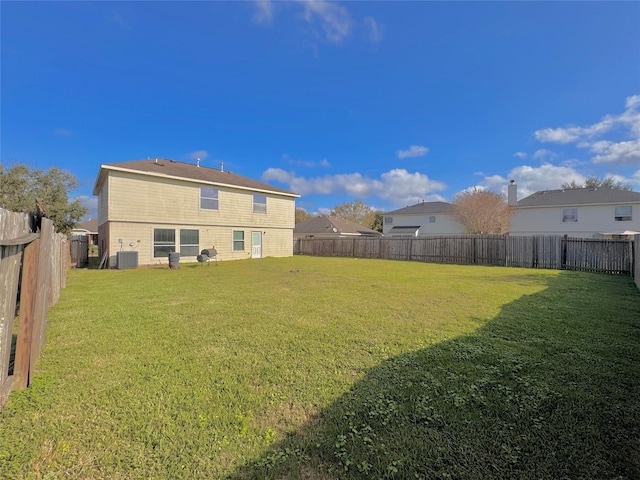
149 199
138 204
276 242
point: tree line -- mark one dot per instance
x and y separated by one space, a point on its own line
27 189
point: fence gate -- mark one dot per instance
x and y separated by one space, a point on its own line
79 249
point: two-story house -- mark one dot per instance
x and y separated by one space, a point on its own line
157 206
581 212
420 220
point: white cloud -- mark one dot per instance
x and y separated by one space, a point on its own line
606 150
198 154
542 154
306 163
533 179
264 12
374 30
521 155
413 151
334 19
621 153
398 186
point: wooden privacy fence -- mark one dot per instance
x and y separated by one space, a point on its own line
79 250
557 252
33 266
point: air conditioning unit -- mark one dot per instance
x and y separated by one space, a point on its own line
127 260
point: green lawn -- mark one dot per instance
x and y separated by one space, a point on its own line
326 368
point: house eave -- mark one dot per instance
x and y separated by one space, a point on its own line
105 168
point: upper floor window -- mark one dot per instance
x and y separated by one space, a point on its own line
623 213
430 219
209 198
259 203
388 220
569 214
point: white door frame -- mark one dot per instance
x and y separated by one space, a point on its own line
256 248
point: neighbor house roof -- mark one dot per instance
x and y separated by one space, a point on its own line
90 225
162 167
325 224
413 230
423 208
579 196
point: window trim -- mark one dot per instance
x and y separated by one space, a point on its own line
163 243
196 250
625 215
209 194
259 207
237 241
570 215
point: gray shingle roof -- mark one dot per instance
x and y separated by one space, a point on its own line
423 208
579 196
172 168
326 224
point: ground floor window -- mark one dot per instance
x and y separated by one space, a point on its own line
189 243
164 241
238 241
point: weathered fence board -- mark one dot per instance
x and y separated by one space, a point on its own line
33 265
554 252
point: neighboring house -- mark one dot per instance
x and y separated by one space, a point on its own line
331 227
157 206
88 229
421 220
581 212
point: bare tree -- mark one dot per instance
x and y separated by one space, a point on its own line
482 211
598 182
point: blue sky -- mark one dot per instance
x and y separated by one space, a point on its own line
388 102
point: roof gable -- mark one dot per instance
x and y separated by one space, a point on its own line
161 167
423 208
579 196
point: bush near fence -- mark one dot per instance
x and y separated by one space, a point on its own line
555 252
33 266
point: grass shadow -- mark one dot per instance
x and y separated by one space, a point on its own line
550 388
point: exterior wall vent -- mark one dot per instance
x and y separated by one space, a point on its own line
127 260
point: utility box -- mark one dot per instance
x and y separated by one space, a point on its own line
127 260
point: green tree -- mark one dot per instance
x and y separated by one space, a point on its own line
21 186
302 215
598 182
378 222
482 212
357 212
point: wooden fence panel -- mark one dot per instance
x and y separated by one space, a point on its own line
31 268
79 250
553 252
